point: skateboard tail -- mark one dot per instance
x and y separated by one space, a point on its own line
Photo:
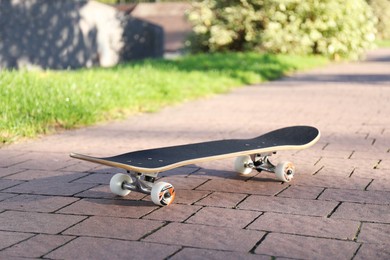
100 161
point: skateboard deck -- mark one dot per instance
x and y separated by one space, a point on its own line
153 161
144 165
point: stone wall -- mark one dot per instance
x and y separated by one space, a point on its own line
72 34
171 17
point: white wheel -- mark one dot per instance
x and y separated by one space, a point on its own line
162 193
116 184
241 164
284 171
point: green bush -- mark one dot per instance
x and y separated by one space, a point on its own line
137 1
225 25
334 28
381 9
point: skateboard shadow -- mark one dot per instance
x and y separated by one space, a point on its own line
121 201
223 174
201 172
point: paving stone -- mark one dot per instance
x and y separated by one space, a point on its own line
306 225
301 192
104 192
223 217
332 181
220 174
11 158
200 254
303 169
103 248
4 196
188 196
363 155
207 237
373 251
183 183
36 246
219 168
379 174
342 164
331 170
318 153
221 199
371 197
363 212
50 186
83 167
247 187
110 227
95 178
36 203
6 154
8 171
10 238
348 145
109 207
59 176
36 222
384 164
300 247
288 205
374 233
44 161
4 183
380 185
174 213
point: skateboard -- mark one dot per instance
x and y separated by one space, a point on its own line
144 166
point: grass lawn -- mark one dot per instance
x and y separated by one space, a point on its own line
383 43
40 102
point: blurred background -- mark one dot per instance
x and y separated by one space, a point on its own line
80 33
72 63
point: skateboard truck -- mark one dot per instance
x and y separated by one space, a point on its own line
263 163
284 171
162 193
137 184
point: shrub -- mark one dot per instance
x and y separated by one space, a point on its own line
381 9
335 28
225 25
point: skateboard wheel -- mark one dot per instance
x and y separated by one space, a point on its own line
241 164
116 183
284 171
162 193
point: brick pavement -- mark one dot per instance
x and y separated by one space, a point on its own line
336 207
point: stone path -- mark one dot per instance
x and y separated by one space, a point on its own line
337 206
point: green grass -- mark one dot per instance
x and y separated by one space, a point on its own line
383 43
40 102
